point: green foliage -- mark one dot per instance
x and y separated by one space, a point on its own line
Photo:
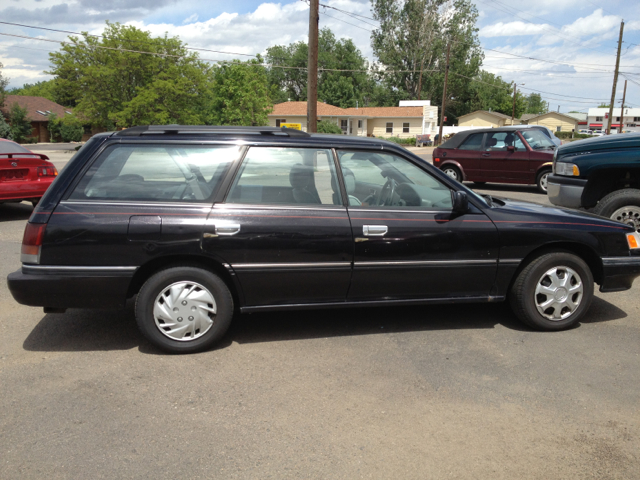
604 105
20 124
45 89
325 126
567 135
342 89
4 81
535 104
239 94
67 129
490 92
107 86
5 129
71 132
53 125
402 141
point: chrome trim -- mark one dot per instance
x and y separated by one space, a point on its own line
66 268
426 263
239 206
509 261
374 230
242 266
618 261
203 205
227 229
359 208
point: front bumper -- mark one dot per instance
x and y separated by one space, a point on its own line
565 191
619 273
70 287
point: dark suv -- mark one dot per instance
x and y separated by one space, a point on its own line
201 221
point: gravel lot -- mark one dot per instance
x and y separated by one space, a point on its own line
462 391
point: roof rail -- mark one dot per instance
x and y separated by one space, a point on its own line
208 130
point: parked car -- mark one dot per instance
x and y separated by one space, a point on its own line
24 175
597 133
586 132
201 221
602 174
497 155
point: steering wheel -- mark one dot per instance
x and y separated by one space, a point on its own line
387 192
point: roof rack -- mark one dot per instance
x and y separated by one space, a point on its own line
208 130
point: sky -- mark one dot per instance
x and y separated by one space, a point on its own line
569 45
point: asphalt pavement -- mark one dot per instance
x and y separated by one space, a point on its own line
451 391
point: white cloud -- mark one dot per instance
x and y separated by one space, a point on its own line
191 19
511 29
594 24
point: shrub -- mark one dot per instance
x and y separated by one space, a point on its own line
70 132
325 126
5 129
20 124
566 135
53 125
402 141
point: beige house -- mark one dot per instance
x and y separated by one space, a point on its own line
484 118
557 122
402 121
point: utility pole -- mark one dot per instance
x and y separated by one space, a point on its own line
513 111
312 68
624 96
444 93
615 79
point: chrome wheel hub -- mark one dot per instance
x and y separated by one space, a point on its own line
452 173
558 293
543 181
184 311
629 214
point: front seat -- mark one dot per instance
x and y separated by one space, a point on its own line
350 185
303 183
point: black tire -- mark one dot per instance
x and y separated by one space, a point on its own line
524 300
164 337
35 202
621 205
453 172
541 180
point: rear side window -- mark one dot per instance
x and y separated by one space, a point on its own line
170 173
474 142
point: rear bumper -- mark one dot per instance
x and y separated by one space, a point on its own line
619 273
21 190
70 287
565 191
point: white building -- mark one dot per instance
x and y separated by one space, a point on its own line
598 119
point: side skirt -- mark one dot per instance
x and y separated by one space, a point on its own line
375 303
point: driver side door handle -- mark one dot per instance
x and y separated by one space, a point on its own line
374 230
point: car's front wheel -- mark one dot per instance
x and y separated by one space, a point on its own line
453 172
541 180
184 309
553 291
623 206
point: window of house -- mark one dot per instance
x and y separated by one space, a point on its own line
559 128
636 119
343 125
617 119
405 127
280 120
389 127
598 119
172 173
272 176
359 123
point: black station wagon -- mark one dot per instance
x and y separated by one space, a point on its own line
201 221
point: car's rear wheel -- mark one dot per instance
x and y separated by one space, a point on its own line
553 291
623 206
542 179
453 172
184 309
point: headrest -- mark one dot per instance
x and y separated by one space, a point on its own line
300 175
509 138
492 142
349 180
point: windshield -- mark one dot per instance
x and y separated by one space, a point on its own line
537 139
12 147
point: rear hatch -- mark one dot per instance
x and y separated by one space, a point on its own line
22 167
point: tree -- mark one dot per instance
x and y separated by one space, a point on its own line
325 126
107 81
340 88
5 129
20 124
411 43
4 81
45 89
239 94
535 104
489 92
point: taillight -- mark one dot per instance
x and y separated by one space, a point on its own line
32 242
47 171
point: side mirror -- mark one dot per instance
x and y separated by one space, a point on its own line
511 148
459 201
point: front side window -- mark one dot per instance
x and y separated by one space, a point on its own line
389 127
382 180
500 141
171 173
474 142
537 140
290 176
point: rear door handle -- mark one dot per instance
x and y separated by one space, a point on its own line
228 229
374 230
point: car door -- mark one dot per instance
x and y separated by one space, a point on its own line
283 229
505 158
468 155
408 241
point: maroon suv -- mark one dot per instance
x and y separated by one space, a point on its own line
498 155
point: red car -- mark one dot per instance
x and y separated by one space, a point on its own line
497 155
24 175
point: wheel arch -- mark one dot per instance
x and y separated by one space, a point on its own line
453 163
144 272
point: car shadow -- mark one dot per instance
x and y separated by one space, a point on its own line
10 212
105 330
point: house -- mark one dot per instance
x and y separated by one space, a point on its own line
598 119
484 118
556 122
582 119
38 111
403 121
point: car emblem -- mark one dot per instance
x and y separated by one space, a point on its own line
14 164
